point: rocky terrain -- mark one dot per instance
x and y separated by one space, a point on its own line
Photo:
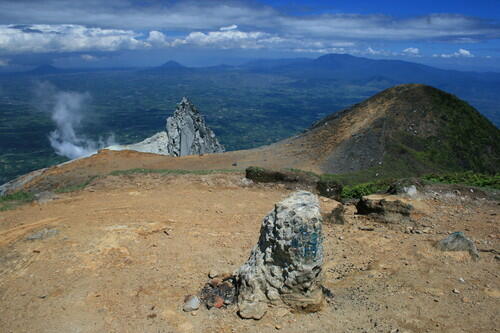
186 134
122 254
131 241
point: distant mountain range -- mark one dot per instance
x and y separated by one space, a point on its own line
341 68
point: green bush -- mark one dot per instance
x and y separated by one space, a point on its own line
468 178
13 200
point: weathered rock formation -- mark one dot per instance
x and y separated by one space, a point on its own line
285 265
186 134
385 208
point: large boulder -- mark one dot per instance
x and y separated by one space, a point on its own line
186 134
385 208
285 265
457 241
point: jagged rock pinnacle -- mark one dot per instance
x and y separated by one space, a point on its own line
186 134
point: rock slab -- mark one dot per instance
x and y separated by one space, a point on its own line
186 134
457 241
285 265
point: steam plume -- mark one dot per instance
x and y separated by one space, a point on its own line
67 113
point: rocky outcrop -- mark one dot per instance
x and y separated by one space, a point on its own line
457 241
285 265
385 208
186 134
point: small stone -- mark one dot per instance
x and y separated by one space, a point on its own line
215 282
219 302
341 237
456 291
465 300
461 280
212 274
191 303
278 327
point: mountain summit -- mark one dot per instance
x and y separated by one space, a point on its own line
404 130
186 134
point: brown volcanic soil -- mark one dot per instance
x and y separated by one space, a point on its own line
129 248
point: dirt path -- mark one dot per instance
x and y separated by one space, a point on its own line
129 248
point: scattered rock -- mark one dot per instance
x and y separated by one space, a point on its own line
456 291
218 292
285 265
45 196
406 187
212 274
457 241
262 175
42 234
386 208
330 189
336 215
191 303
186 134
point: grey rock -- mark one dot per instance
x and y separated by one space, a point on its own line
457 241
42 234
386 208
191 303
186 134
285 265
336 215
45 196
18 183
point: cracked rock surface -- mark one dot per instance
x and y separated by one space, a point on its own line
285 265
186 134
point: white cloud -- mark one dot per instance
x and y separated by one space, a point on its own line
229 39
230 27
461 53
371 51
88 57
192 15
412 52
157 39
4 62
40 38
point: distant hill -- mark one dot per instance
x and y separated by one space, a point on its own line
45 69
405 130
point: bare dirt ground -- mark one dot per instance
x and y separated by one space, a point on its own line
121 255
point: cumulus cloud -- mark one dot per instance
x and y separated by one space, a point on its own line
228 39
41 38
230 27
412 52
157 39
461 53
206 15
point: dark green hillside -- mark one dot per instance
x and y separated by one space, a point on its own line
418 130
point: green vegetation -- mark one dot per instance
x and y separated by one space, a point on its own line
76 187
359 190
14 200
468 178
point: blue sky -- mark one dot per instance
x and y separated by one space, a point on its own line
93 33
